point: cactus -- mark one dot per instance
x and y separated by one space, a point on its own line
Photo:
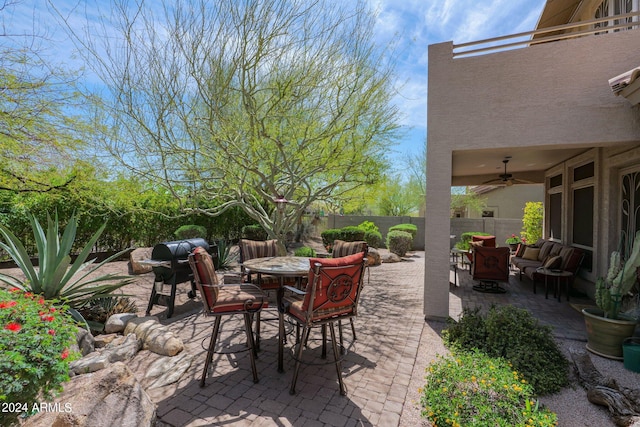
620 279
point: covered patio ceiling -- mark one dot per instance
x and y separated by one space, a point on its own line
477 167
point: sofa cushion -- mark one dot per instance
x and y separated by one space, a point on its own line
545 250
565 254
573 262
552 262
531 253
520 251
555 250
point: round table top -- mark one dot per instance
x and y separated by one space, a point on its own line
280 265
554 272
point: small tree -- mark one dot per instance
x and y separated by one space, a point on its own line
532 221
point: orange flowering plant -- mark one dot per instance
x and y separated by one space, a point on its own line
35 341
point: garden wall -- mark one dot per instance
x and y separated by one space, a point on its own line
499 227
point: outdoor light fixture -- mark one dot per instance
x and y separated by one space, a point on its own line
280 201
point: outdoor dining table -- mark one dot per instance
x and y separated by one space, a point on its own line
281 267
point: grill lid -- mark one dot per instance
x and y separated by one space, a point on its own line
177 249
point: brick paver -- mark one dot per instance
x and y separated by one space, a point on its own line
382 371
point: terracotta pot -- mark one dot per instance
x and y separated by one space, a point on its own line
605 336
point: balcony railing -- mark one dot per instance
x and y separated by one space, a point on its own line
530 38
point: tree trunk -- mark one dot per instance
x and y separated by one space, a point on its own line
623 403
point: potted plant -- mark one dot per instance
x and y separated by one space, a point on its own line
513 241
606 326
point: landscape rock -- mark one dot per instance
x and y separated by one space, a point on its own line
92 362
373 257
155 337
124 351
167 370
391 257
138 255
101 341
110 397
117 322
86 342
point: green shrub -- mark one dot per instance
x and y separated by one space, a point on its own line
532 221
512 333
329 236
407 228
305 251
351 233
373 239
470 388
254 232
465 238
225 258
368 226
190 231
399 242
35 337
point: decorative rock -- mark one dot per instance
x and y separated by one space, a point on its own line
117 322
167 370
111 397
138 255
373 257
391 257
155 337
90 363
85 341
122 351
102 340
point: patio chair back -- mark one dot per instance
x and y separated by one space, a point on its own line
342 248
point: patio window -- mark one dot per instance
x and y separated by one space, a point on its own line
582 213
630 208
555 207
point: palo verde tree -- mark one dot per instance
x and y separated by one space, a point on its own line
39 138
244 101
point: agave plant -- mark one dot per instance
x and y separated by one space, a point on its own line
56 276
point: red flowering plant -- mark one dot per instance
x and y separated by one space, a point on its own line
35 341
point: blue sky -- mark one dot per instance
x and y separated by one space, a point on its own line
417 24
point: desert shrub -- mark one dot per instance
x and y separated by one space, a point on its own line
373 239
190 231
225 258
305 251
254 232
35 337
514 334
368 226
407 228
399 242
465 238
470 388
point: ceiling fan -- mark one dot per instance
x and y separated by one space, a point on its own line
506 178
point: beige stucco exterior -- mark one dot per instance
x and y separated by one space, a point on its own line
546 96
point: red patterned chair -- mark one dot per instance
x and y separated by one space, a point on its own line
485 241
331 295
342 248
221 300
490 266
250 249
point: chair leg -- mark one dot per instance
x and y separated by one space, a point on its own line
353 328
324 342
305 334
212 347
252 355
343 390
257 341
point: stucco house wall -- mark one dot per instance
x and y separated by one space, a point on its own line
551 95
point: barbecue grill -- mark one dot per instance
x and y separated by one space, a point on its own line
171 267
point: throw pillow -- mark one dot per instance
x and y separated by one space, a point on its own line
476 244
531 253
520 251
552 262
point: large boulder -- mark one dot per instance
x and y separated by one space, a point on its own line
109 397
117 322
135 258
373 257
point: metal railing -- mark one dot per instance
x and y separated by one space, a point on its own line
497 44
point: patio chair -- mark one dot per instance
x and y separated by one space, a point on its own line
490 266
340 249
331 295
222 300
250 249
